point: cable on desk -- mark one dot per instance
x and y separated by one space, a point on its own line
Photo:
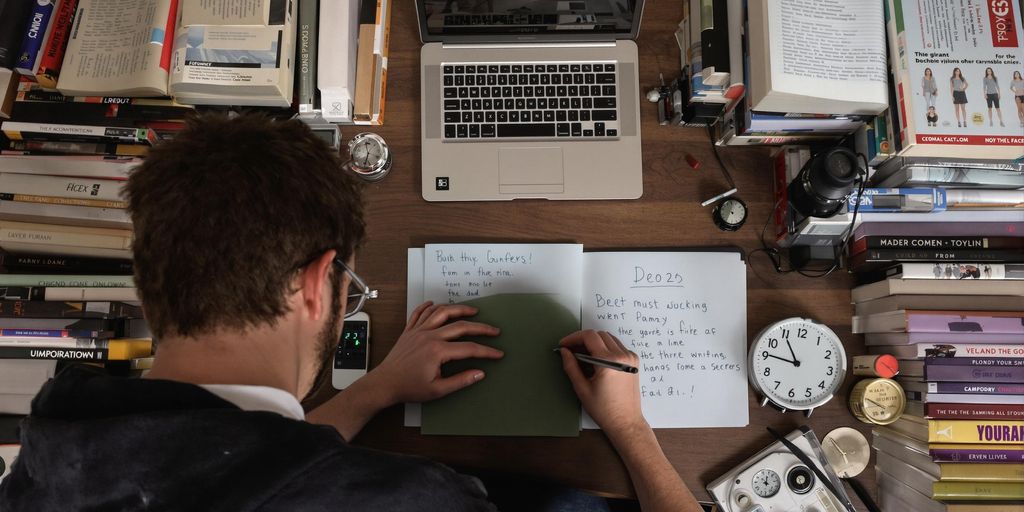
773 253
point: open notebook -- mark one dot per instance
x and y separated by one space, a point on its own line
683 312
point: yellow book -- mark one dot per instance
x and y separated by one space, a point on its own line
978 491
981 472
976 431
125 349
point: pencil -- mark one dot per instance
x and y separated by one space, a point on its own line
604 363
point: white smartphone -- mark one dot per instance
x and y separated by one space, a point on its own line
352 357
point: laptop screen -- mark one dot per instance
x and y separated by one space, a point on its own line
537 18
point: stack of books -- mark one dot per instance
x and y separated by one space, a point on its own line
960 345
348 85
809 77
55 310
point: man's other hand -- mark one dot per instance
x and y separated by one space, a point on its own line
411 372
611 397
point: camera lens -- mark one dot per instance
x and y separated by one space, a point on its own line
800 479
821 187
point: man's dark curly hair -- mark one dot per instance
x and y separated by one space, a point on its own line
226 212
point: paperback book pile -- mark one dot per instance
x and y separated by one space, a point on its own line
813 72
349 83
55 310
960 342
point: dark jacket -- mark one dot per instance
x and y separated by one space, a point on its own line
95 442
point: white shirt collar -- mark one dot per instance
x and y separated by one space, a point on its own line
259 398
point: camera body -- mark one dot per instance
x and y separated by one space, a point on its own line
775 480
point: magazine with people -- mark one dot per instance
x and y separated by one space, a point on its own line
958 73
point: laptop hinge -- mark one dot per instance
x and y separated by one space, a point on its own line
576 44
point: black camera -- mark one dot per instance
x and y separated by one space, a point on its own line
820 189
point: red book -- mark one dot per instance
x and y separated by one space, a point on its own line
165 55
53 50
974 411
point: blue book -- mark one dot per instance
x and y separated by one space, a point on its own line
39 24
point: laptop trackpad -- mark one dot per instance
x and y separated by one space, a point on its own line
525 170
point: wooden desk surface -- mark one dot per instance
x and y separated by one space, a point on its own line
668 215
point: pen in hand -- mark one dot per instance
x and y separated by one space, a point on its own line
604 363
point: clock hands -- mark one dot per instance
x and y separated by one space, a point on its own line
795 362
876 404
841 452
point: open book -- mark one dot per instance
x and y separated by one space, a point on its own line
821 57
236 52
683 313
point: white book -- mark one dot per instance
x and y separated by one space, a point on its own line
336 76
115 168
234 52
62 280
86 216
91 294
822 57
60 186
47 342
20 381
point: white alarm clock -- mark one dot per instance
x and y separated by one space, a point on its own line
796 364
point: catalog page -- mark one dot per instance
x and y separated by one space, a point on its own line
960 66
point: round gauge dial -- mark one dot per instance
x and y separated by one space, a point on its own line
878 401
370 157
730 214
766 483
797 363
847 451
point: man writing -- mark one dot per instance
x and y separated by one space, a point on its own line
245 235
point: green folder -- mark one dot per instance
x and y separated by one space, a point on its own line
526 393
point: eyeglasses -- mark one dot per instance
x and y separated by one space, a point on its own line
358 291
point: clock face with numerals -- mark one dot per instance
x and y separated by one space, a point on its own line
797 363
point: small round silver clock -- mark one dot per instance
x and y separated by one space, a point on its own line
369 156
796 364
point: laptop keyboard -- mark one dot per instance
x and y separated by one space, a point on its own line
509 100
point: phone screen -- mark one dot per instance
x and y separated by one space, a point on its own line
351 353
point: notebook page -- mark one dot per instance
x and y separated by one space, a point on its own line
454 273
684 314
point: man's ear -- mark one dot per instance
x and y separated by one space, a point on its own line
312 280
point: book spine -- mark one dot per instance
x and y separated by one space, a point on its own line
53 147
936 242
976 431
71 354
973 491
51 309
956 270
53 53
975 388
51 342
1003 362
65 264
981 456
78 133
948 373
931 255
308 24
941 411
39 24
53 333
66 201
964 350
961 322
57 186
63 238
66 281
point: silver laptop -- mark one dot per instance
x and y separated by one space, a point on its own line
530 99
